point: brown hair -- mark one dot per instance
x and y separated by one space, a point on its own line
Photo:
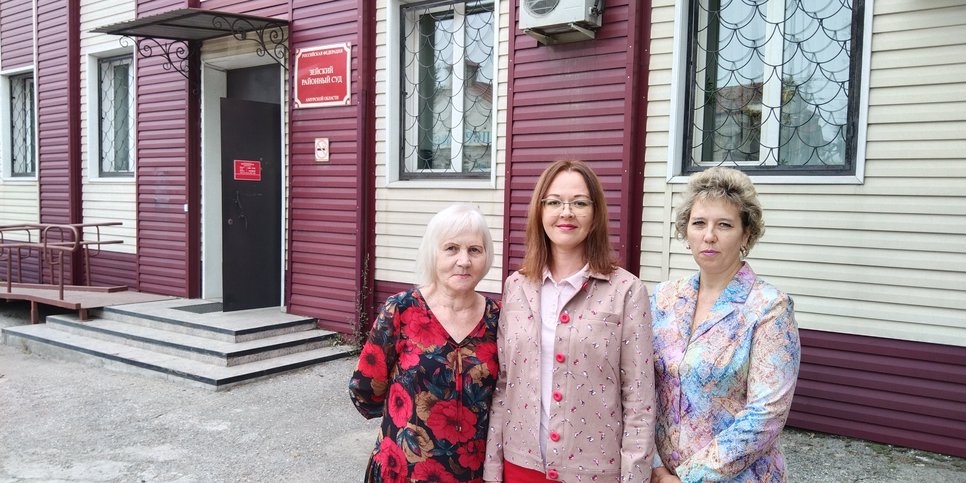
729 184
597 247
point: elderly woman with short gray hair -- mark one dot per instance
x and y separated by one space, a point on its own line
429 365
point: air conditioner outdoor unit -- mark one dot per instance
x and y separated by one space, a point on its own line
553 21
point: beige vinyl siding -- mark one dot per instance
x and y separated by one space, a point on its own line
19 204
104 199
882 258
402 213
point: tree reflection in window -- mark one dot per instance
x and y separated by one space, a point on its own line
447 81
773 84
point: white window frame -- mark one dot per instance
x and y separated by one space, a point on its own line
679 86
94 112
6 152
394 114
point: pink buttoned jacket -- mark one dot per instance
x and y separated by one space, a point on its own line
602 426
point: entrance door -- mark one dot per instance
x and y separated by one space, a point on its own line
251 204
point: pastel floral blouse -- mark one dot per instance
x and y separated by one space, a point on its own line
724 391
432 393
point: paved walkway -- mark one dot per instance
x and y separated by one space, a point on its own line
71 421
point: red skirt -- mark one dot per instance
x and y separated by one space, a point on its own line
518 474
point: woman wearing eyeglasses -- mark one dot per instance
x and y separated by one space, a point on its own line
575 397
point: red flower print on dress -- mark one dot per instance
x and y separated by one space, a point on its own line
432 470
372 363
408 354
471 454
422 329
400 405
392 461
486 353
452 422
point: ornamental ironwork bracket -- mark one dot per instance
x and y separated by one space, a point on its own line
272 38
176 53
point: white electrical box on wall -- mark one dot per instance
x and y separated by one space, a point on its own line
553 21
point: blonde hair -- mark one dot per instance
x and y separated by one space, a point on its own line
729 184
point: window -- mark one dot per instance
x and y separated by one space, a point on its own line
446 113
22 151
773 86
115 119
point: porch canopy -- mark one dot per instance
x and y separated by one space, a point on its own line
191 24
194 24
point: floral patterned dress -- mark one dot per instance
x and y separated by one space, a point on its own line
432 393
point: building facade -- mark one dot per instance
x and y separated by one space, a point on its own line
229 181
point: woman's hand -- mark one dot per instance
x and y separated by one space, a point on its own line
662 475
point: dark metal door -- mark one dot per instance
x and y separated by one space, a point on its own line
251 204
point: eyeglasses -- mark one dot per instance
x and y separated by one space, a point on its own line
554 205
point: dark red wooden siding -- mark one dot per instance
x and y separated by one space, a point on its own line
16 34
53 111
16 47
261 8
112 269
898 392
166 174
328 204
582 100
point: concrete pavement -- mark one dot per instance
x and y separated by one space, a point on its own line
66 421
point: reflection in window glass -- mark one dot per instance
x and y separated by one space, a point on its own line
447 80
115 122
773 85
22 151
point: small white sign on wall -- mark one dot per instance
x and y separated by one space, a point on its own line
322 150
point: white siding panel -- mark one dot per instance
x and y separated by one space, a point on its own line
911 39
881 258
403 212
918 112
19 204
106 200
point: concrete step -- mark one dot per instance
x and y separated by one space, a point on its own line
193 347
240 326
50 340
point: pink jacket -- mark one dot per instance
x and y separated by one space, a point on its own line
602 425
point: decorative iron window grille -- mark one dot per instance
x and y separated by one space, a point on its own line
116 106
446 110
774 85
22 148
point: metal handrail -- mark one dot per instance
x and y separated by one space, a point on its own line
55 240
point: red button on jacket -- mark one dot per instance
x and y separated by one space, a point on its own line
552 474
557 395
564 318
554 436
561 357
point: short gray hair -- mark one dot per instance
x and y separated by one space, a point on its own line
454 220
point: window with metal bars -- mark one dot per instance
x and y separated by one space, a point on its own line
773 86
115 123
446 113
22 149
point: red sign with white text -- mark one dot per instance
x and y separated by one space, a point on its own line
248 170
322 76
